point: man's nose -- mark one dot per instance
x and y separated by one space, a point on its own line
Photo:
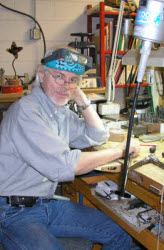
65 85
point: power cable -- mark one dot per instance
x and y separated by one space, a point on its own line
22 13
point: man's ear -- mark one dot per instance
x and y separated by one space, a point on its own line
40 73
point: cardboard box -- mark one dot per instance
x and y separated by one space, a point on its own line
96 40
117 135
151 127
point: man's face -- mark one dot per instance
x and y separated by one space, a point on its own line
58 85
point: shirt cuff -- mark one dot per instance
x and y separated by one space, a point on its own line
98 135
68 172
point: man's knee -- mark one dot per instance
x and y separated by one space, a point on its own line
30 236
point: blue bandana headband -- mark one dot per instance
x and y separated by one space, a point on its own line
66 66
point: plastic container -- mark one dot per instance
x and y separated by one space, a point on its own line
8 89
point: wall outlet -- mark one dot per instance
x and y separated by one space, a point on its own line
35 34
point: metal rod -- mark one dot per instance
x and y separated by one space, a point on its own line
125 167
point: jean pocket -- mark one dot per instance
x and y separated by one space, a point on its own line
9 212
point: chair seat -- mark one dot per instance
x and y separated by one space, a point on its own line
76 243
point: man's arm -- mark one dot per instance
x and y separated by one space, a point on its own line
90 115
90 160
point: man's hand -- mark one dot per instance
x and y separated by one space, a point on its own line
134 147
79 97
90 115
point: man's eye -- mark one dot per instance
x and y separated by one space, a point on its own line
73 80
58 76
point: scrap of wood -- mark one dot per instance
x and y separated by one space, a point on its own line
112 167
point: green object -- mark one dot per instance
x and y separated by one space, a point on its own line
120 42
140 44
151 104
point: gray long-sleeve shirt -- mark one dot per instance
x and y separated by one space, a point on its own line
35 142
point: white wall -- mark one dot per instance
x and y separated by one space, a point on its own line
58 18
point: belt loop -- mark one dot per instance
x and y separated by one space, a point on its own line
9 200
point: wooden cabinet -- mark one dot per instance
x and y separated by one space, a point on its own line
83 187
69 191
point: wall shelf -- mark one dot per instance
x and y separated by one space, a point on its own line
102 15
102 90
119 52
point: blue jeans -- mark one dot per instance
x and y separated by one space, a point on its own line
37 227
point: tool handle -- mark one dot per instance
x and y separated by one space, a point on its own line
152 149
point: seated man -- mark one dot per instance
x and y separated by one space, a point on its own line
36 135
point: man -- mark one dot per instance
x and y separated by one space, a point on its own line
36 135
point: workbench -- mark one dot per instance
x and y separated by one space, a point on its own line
80 191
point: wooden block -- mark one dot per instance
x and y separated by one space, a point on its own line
112 167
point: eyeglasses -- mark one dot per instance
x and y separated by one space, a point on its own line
59 79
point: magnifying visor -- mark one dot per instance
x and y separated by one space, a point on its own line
73 62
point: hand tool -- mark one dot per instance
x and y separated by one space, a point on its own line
150 159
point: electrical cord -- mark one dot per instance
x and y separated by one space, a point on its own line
22 13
